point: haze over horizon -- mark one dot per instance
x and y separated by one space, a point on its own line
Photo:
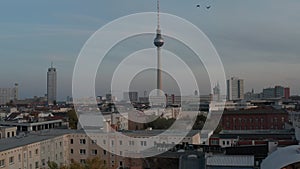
257 41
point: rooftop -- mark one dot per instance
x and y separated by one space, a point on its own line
30 138
149 133
265 134
8 123
258 110
282 157
230 160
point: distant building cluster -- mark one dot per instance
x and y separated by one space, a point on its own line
35 131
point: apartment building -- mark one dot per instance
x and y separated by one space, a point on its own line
34 150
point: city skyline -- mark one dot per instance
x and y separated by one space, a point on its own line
246 46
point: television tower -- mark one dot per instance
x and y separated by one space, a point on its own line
158 42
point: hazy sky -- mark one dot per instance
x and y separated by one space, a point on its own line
256 40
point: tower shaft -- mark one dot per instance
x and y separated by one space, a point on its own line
159 80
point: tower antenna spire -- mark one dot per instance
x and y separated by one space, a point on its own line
158 13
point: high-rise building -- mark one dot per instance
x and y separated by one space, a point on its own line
8 94
268 93
130 96
276 92
51 85
287 93
235 89
217 93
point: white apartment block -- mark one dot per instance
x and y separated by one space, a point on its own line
34 150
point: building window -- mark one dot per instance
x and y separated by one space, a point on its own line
112 142
71 141
121 142
12 134
37 164
104 141
143 143
60 144
2 163
104 152
82 161
72 151
82 151
8 134
30 155
19 157
121 153
43 162
36 151
121 163
11 160
94 152
131 143
94 141
82 141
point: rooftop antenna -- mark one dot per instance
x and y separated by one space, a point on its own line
158 12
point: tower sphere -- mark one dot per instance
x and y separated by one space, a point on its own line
158 41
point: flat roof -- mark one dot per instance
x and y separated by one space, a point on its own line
6 127
258 110
256 133
231 160
30 124
157 132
